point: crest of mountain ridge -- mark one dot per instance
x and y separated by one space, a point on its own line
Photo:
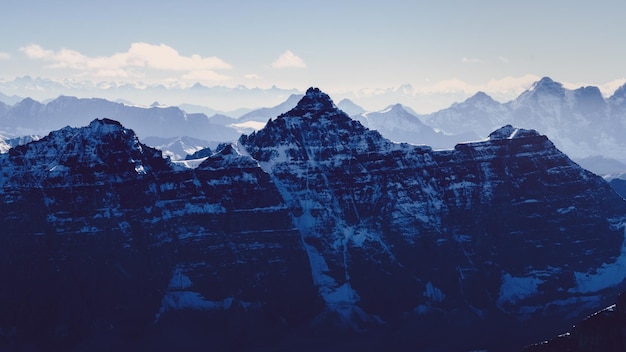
103 151
32 117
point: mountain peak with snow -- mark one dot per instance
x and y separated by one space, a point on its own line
315 122
314 100
228 156
510 132
103 151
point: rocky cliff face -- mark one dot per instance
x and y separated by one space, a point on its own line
105 243
308 232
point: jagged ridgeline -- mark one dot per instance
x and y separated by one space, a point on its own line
313 232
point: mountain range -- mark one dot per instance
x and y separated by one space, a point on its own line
223 99
400 125
32 117
312 232
580 122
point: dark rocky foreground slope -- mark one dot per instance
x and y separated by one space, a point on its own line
604 331
313 233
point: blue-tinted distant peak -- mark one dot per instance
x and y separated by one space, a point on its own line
480 97
547 85
589 91
396 107
350 107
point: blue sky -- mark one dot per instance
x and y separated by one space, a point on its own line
436 47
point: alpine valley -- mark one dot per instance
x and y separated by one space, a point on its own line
312 233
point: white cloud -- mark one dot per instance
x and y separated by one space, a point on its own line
288 59
252 76
509 86
166 58
471 60
4 56
138 56
503 59
610 87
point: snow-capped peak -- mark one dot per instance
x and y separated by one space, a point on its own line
510 132
313 101
104 151
228 155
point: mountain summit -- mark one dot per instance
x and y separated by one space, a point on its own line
314 100
547 86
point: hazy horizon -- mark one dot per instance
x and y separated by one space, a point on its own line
424 55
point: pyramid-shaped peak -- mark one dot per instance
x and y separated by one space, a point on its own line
546 81
480 96
315 100
395 107
546 84
349 107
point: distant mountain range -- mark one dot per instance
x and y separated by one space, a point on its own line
31 117
227 99
399 125
582 123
